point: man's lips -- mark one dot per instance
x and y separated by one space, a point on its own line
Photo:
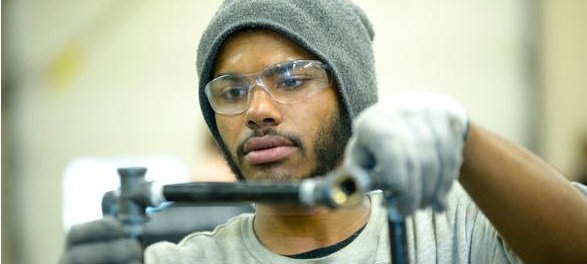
267 149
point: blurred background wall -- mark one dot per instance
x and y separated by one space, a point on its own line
116 78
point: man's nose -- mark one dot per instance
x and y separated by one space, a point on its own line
263 109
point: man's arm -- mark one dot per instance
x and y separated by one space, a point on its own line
535 209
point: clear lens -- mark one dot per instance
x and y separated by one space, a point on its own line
228 94
285 82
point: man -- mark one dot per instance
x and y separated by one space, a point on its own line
281 82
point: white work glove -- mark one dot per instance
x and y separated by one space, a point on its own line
411 147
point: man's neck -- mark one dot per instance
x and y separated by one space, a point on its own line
289 230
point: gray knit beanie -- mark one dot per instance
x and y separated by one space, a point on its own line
337 32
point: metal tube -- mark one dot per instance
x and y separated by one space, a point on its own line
333 190
396 222
398 241
221 192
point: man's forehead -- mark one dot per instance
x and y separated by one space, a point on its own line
240 50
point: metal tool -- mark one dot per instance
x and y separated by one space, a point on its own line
336 189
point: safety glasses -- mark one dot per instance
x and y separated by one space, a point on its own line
285 82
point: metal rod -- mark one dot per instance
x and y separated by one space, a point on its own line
221 192
398 241
334 190
396 221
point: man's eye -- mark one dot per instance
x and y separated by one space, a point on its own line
290 83
234 93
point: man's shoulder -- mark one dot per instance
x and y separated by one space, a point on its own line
224 239
234 227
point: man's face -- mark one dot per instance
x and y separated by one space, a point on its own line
273 140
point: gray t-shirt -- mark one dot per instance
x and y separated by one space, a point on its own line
461 234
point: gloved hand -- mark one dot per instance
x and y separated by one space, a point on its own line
100 241
411 147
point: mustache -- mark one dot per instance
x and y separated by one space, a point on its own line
296 140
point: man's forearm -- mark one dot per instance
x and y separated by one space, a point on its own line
536 210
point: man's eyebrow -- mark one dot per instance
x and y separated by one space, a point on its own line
229 76
226 74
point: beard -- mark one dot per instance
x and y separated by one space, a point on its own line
329 149
331 144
